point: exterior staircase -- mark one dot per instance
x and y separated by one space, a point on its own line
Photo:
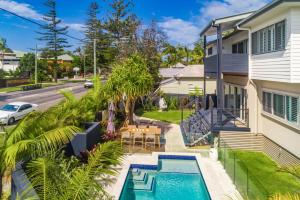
241 140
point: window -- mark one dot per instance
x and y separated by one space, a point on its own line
278 105
269 39
267 102
209 51
283 106
292 109
240 47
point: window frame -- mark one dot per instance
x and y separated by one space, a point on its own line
272 115
261 42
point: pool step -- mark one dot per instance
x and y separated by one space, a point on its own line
141 176
141 185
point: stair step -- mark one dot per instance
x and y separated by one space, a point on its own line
141 176
138 185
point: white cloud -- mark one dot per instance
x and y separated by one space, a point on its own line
22 9
215 9
26 10
180 31
187 32
75 26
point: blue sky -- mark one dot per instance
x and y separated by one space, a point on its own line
182 20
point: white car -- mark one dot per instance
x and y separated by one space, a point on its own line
11 112
88 84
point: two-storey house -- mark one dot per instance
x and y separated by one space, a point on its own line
256 58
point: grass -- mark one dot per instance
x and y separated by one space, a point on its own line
2 137
170 116
19 88
266 178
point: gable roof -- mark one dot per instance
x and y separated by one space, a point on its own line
263 10
228 23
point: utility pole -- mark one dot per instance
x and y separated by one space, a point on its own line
84 65
35 66
95 58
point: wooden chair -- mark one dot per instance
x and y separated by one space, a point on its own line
126 137
138 137
150 139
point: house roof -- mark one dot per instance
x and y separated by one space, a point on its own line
169 72
263 10
189 71
228 23
65 57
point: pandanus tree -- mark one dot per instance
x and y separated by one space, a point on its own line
130 80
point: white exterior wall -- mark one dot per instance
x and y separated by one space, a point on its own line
183 86
277 129
9 65
295 48
274 66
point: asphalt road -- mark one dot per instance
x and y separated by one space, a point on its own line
45 97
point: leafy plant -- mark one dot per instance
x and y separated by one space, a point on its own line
55 177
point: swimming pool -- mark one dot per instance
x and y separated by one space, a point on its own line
175 177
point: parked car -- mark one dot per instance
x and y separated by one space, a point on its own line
88 84
12 112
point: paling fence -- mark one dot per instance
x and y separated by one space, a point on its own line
247 182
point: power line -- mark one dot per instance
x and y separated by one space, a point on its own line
37 23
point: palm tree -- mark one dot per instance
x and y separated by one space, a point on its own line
55 177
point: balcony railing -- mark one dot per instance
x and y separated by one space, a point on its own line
231 63
229 119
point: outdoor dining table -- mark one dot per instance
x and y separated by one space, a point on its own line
154 130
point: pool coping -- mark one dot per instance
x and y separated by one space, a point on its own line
153 160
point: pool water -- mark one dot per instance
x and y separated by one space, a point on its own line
174 179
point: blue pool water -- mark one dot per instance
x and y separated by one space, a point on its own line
171 179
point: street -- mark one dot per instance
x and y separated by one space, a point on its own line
45 97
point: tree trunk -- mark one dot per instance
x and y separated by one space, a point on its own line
1 185
129 108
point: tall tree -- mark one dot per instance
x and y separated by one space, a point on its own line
53 34
197 54
95 30
151 45
3 46
122 24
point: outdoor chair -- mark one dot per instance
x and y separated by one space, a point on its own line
126 138
138 137
150 139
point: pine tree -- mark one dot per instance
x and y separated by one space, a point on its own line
53 34
123 25
95 30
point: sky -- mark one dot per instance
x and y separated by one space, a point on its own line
181 20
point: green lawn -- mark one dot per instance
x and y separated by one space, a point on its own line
266 178
171 116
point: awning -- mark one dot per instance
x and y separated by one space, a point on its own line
227 23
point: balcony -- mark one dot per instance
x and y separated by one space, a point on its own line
232 63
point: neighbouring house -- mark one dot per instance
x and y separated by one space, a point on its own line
183 80
9 61
259 76
65 58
